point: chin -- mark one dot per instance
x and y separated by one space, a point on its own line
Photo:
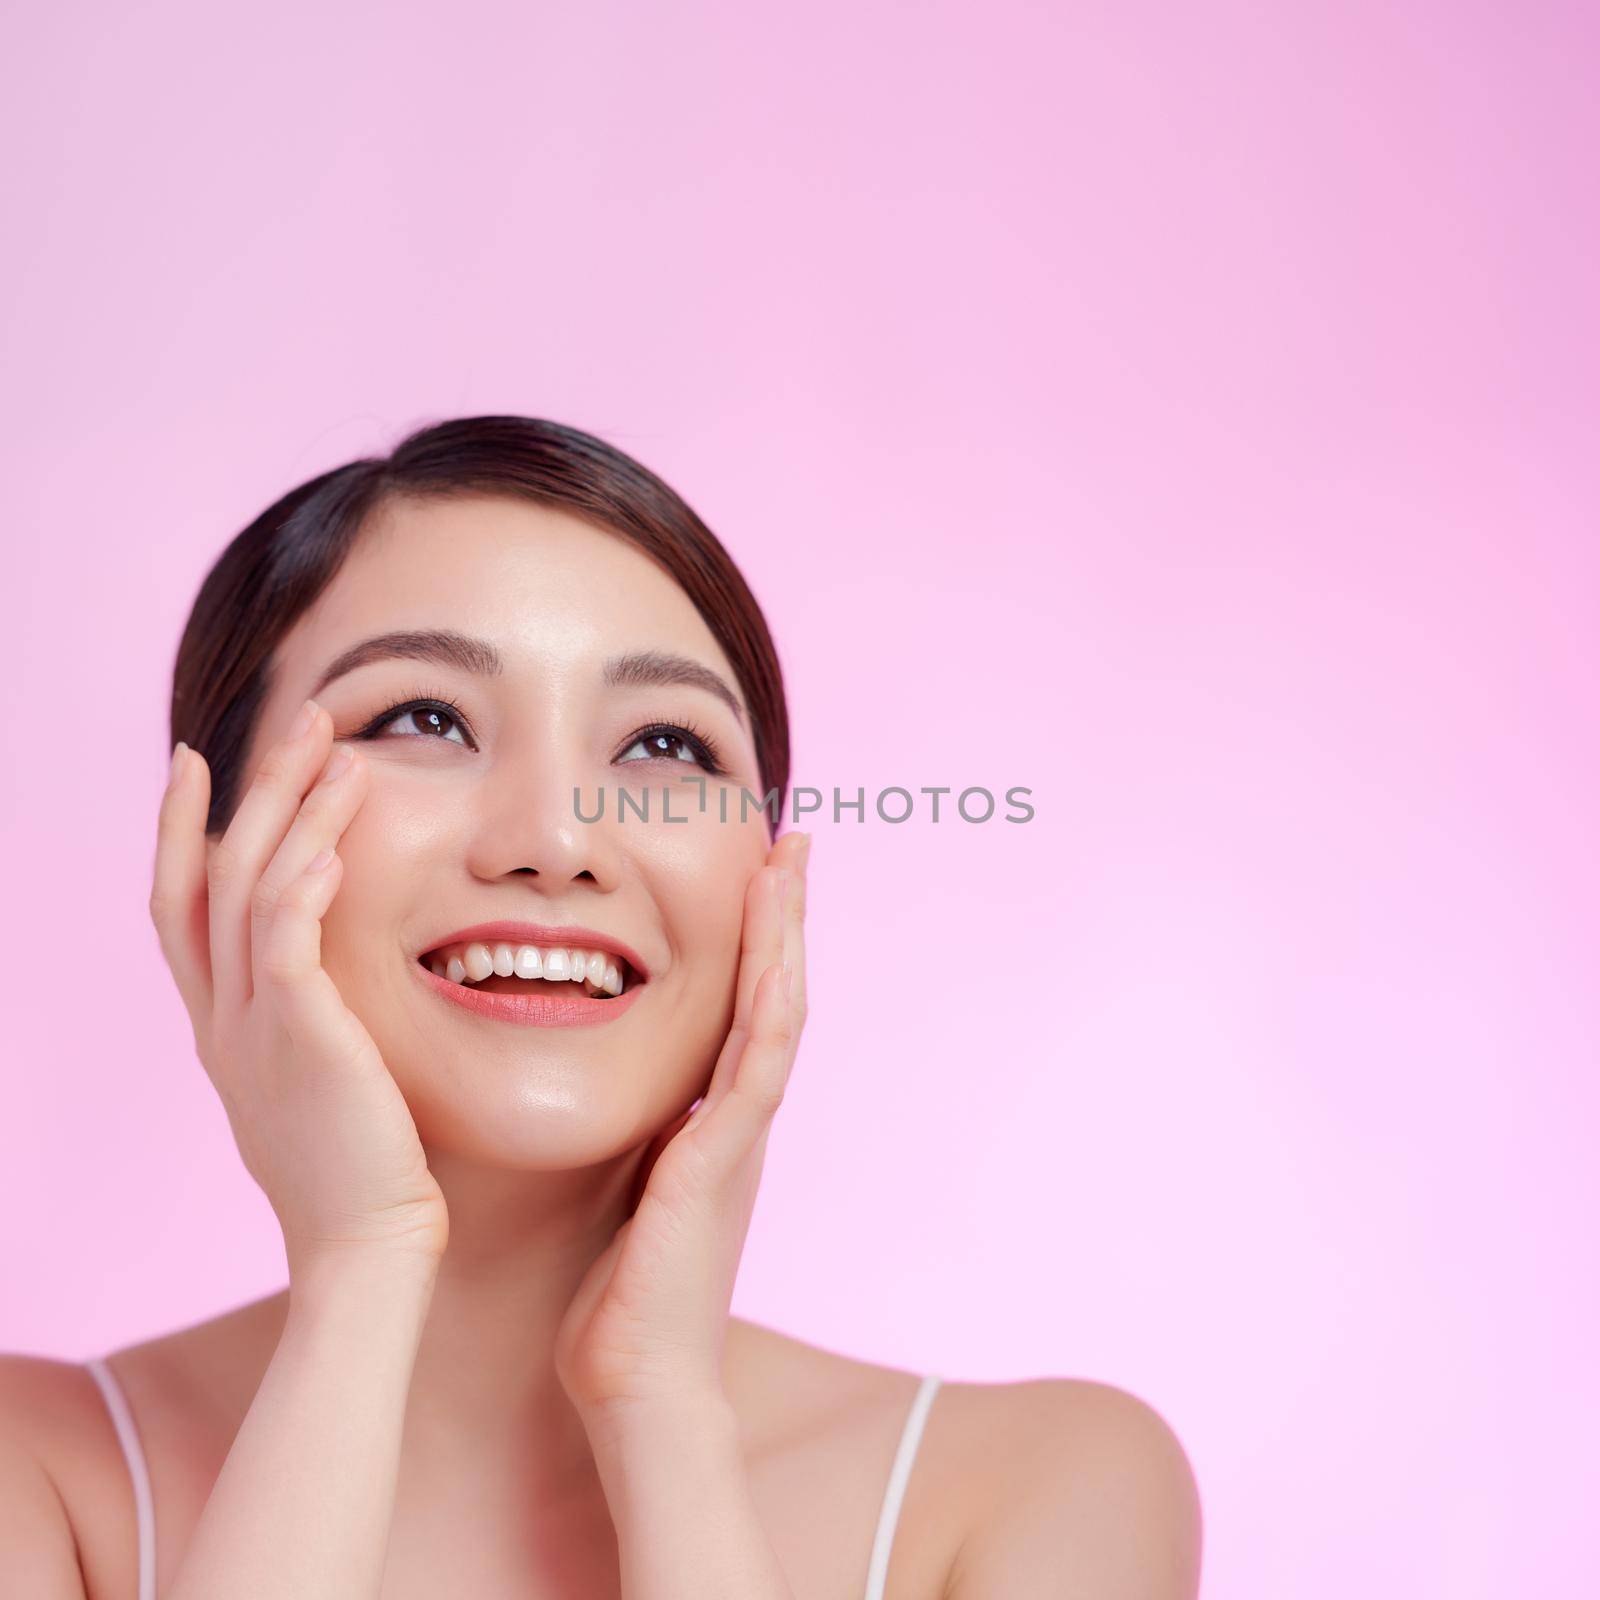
546 1105
534 1096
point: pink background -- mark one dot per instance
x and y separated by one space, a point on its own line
1186 412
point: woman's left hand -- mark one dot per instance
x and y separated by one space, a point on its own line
646 1327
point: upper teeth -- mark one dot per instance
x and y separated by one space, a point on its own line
472 963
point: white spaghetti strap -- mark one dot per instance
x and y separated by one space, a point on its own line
143 1504
895 1493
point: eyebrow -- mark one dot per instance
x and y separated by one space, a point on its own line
480 658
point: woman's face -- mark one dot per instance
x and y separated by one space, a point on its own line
471 819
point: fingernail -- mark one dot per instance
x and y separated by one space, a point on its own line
320 860
788 978
302 723
805 850
177 762
783 889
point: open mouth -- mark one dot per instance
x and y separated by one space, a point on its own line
497 967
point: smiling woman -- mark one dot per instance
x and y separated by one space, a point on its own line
505 1066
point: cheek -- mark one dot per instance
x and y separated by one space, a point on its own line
386 851
700 876
407 816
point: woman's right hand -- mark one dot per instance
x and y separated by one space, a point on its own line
318 1118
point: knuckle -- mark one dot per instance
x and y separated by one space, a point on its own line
323 802
265 899
222 867
688 1169
766 1097
280 969
276 767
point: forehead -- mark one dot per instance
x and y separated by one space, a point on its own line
554 593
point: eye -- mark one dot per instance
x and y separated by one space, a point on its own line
429 719
670 742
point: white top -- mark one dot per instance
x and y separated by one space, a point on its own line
144 1507
899 1477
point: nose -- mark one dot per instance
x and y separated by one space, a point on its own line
528 820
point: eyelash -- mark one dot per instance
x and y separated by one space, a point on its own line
702 744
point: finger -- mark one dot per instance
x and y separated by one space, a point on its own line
728 1132
761 944
319 824
794 948
791 852
761 937
652 1154
289 967
724 1072
794 960
178 891
254 834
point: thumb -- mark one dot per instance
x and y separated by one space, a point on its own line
652 1153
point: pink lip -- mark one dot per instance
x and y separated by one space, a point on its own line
539 933
535 1010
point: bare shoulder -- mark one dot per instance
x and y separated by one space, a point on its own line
40 1394
788 1390
1050 1486
54 1410
1075 1488
66 1513
66 1495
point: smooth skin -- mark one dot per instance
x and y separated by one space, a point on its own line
505 1364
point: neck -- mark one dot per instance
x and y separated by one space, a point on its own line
520 1244
485 1383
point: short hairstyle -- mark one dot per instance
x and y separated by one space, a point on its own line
277 566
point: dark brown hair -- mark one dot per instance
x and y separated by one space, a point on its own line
273 570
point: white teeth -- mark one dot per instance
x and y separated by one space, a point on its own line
472 963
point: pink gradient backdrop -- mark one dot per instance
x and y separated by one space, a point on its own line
1186 412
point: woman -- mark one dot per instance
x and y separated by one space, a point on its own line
501 994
